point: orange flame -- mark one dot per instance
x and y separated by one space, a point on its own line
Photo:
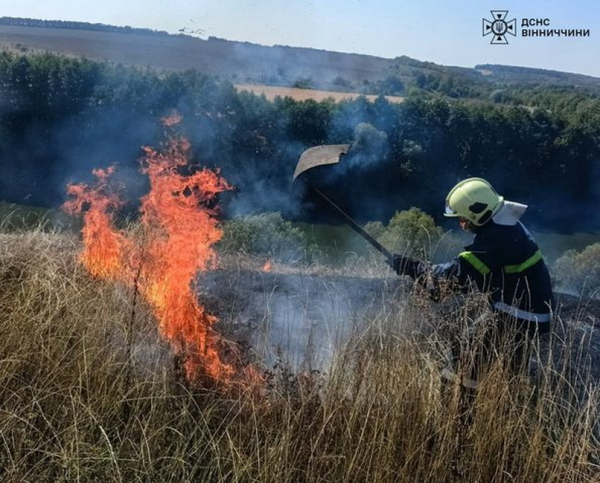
180 229
173 119
103 245
267 267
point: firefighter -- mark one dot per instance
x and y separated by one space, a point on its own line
505 263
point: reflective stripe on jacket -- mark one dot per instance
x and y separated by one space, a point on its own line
505 262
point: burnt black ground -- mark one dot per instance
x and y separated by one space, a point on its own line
297 317
302 318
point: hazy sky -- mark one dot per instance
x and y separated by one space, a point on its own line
446 32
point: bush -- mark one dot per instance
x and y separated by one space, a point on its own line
369 141
264 234
339 81
579 271
411 232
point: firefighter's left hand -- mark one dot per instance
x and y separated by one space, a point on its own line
403 265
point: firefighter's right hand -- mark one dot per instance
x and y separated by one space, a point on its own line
403 265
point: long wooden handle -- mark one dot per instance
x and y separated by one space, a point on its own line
352 224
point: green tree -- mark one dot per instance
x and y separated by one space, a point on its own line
309 121
266 234
411 232
391 86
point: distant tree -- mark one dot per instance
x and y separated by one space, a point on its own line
368 139
266 234
499 95
391 86
309 121
341 82
421 80
304 83
411 232
59 116
29 22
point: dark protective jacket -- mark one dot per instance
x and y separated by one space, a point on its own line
505 262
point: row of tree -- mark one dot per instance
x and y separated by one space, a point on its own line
69 24
61 117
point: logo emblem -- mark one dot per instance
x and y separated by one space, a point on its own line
498 27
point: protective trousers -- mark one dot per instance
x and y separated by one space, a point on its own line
493 338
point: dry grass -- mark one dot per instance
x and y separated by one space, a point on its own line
88 392
371 265
271 92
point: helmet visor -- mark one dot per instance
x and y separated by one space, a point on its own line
449 211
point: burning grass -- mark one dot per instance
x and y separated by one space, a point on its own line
89 391
178 229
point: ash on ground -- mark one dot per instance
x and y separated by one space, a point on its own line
300 318
303 319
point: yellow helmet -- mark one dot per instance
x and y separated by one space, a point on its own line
473 199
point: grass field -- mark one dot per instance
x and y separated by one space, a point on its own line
271 92
90 392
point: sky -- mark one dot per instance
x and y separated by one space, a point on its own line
447 32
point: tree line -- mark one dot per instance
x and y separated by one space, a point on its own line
61 117
73 25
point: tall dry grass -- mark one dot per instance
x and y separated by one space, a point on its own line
89 392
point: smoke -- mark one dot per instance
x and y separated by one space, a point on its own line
370 144
261 189
41 159
116 139
293 66
299 319
262 184
400 156
255 145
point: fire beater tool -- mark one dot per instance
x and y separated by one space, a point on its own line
331 154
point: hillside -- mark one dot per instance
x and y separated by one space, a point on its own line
528 75
242 62
234 61
65 116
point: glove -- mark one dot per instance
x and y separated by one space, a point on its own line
403 265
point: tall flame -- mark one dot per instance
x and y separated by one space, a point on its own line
179 229
103 245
